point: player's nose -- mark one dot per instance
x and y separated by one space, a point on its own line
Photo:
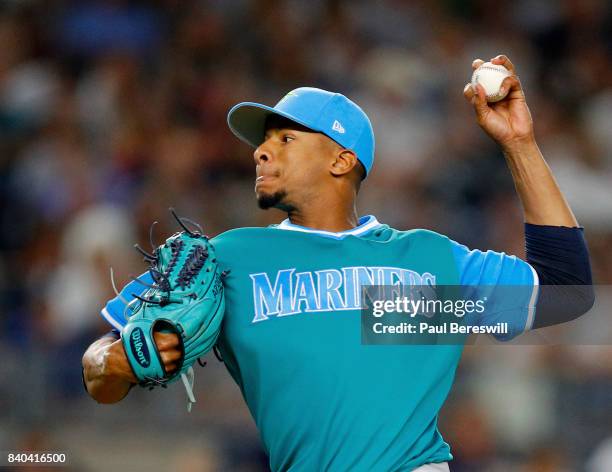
263 153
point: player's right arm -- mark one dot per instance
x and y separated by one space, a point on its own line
509 123
107 374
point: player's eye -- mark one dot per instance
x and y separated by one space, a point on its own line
287 138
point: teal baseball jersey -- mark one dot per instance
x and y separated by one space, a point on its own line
291 339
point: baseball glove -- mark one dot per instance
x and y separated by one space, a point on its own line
186 298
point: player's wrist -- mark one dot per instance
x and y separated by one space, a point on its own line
519 146
115 364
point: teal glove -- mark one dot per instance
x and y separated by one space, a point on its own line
186 299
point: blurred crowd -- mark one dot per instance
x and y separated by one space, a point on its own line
112 111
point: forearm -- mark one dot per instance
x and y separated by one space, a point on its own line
542 200
104 374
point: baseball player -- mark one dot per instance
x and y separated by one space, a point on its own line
320 398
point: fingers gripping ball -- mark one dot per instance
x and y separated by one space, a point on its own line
491 76
186 298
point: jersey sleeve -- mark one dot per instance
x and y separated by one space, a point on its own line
114 311
508 284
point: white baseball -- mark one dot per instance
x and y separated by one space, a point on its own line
491 76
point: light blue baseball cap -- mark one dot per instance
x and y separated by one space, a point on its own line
329 113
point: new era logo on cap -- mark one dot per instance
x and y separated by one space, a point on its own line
337 126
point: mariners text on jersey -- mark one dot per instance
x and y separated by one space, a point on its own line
323 290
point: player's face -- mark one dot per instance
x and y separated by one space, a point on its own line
291 165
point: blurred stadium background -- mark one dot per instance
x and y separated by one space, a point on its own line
112 111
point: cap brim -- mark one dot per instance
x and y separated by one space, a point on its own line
247 121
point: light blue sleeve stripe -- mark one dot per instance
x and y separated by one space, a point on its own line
535 293
485 270
114 310
108 317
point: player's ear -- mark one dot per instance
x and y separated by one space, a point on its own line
344 162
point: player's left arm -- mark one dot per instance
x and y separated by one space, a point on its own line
555 244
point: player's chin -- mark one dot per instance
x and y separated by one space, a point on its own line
266 200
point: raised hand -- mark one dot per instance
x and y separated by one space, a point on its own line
508 121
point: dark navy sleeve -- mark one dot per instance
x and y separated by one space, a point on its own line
560 256
114 311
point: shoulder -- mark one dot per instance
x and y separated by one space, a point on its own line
425 234
418 242
241 238
419 235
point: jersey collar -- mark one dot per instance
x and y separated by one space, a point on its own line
366 224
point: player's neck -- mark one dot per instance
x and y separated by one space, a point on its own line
333 218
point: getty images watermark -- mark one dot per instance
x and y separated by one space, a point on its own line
445 314
485 314
429 308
